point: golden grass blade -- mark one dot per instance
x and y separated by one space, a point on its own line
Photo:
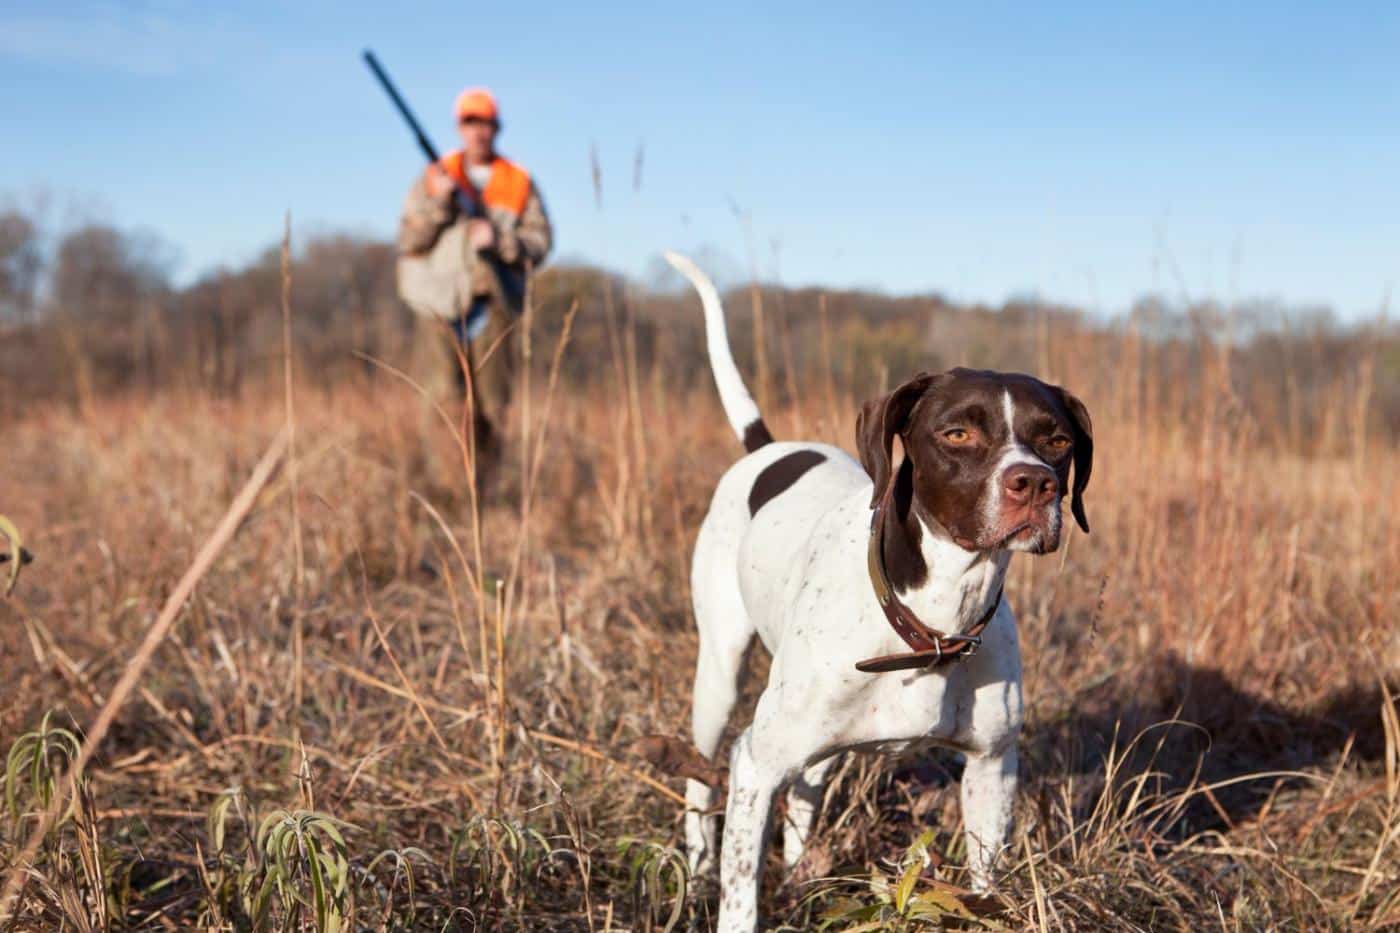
583 748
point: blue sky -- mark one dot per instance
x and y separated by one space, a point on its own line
1086 153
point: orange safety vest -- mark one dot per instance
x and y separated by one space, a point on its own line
509 187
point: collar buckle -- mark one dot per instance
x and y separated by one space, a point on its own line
973 642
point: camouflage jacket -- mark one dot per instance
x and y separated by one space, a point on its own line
520 241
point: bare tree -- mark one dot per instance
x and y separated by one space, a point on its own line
21 261
99 269
102 274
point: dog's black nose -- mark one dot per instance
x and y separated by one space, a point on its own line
1030 484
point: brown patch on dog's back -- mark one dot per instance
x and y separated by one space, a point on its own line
777 476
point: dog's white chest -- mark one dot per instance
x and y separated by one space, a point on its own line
972 706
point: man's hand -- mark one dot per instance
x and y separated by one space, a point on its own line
480 234
438 183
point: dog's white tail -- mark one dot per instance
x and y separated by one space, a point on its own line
739 406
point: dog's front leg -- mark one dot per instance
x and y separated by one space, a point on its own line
804 799
988 792
753 782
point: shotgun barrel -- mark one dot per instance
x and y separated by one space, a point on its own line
465 199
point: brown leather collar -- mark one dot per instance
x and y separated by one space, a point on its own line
931 648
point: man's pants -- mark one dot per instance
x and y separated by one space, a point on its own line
490 358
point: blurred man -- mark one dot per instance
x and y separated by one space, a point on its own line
465 276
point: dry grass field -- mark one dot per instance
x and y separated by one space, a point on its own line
386 705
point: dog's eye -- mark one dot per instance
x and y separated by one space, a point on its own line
1059 443
958 436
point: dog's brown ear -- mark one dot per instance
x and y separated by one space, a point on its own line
879 420
1083 430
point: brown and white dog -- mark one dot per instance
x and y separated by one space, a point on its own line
866 581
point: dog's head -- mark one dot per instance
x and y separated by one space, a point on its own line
988 455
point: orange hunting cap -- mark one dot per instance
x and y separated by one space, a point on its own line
477 103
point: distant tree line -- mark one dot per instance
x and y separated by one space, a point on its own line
94 312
